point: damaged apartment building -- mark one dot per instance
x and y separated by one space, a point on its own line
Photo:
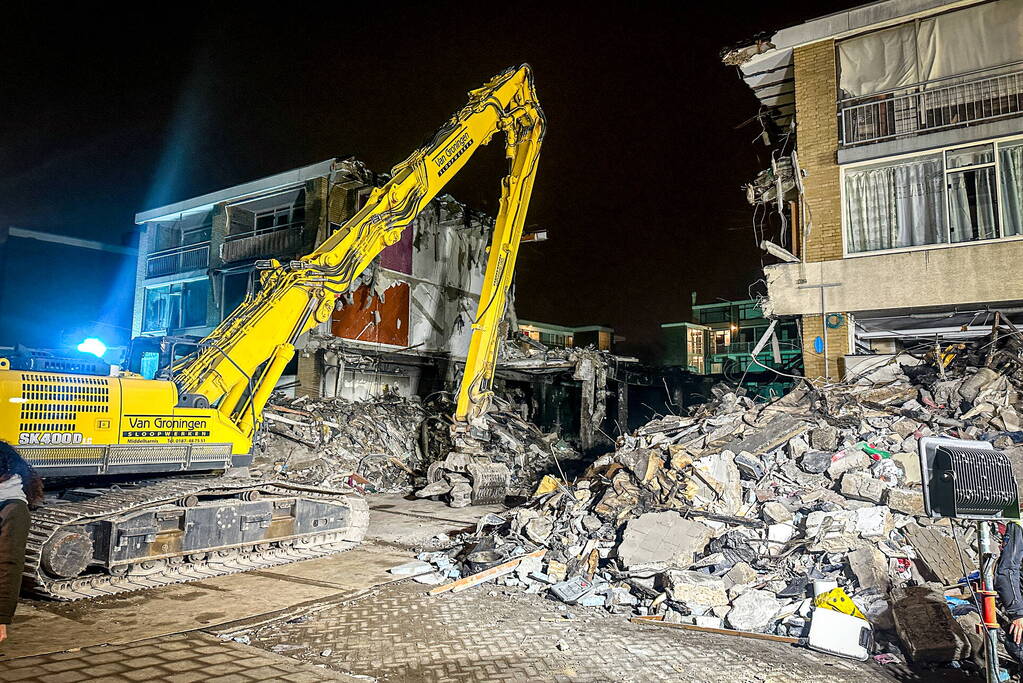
895 190
395 330
404 328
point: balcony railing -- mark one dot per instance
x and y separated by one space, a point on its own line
932 106
281 242
178 260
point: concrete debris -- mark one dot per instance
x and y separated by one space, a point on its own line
662 539
696 587
331 441
926 626
740 512
754 610
389 443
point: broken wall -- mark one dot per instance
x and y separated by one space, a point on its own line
424 290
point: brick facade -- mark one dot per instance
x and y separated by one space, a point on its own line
817 147
837 347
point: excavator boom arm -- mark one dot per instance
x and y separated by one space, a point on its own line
238 364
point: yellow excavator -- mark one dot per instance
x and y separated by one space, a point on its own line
137 525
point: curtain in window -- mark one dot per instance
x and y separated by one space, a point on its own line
977 37
972 205
878 61
1011 158
891 207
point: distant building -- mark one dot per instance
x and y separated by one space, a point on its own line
897 134
734 328
57 290
408 315
685 346
722 340
600 336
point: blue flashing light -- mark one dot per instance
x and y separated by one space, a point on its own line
94 346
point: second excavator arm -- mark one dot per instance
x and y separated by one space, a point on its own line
237 366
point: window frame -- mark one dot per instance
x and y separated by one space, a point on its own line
994 142
182 285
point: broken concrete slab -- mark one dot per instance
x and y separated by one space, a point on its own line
776 433
831 531
874 522
754 611
910 463
663 539
869 567
851 460
740 573
929 632
717 483
775 513
936 553
777 536
825 438
862 486
906 501
696 587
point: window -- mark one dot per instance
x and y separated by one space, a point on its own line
695 345
982 36
1010 163
176 306
960 195
749 312
236 286
149 364
972 197
281 217
714 315
890 206
179 234
266 215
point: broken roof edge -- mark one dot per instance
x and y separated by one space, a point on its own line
279 181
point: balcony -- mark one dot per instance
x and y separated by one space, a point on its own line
282 241
936 105
178 260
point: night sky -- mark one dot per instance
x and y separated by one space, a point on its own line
640 175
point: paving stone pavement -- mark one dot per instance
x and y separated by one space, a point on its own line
401 635
182 658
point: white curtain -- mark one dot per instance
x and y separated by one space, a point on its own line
971 200
1011 158
895 206
878 61
977 37
958 42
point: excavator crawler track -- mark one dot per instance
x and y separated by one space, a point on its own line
52 523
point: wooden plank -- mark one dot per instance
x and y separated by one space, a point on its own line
657 621
486 574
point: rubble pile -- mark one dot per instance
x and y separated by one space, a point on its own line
739 514
328 441
389 443
521 446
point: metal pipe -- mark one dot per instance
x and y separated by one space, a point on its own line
989 615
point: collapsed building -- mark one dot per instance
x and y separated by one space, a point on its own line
403 331
896 145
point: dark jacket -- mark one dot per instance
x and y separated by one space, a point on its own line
14 522
1007 574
